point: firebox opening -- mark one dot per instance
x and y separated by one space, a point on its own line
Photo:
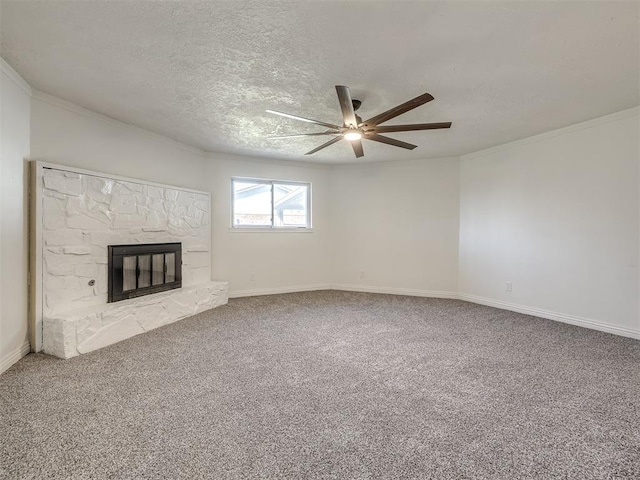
137 270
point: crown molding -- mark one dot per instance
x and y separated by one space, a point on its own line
15 77
612 117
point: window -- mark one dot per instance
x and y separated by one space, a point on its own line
270 204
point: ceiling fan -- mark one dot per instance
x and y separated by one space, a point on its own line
353 129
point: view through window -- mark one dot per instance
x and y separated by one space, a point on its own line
271 203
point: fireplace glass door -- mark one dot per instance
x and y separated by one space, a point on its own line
136 270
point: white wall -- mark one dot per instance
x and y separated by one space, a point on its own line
398 224
66 134
556 215
360 213
14 141
281 261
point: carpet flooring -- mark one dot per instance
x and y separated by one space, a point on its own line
332 385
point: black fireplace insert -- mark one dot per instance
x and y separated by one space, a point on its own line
143 269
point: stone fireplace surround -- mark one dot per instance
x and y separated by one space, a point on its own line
77 215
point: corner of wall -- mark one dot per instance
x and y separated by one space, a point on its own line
15 143
538 208
15 77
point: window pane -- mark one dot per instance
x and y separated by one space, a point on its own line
251 203
290 205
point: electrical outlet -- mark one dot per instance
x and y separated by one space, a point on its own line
252 277
508 287
361 275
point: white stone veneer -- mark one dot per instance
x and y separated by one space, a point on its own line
82 214
89 329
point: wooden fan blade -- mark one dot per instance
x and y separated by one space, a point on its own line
399 110
389 141
302 119
304 135
348 115
325 145
408 128
357 148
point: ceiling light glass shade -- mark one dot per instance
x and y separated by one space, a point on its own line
351 136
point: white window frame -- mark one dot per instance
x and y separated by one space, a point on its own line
270 228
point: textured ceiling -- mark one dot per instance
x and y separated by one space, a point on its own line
204 72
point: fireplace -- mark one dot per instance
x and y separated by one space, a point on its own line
137 270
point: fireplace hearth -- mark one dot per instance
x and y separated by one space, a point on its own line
143 269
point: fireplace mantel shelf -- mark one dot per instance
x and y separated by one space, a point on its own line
83 330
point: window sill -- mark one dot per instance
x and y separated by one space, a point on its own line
270 230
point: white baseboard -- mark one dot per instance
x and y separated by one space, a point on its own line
345 288
277 290
558 317
536 312
412 292
12 357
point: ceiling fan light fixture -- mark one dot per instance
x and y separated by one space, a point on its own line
352 135
354 130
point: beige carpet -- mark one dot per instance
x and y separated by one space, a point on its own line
332 385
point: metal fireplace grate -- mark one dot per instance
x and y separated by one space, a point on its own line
136 270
